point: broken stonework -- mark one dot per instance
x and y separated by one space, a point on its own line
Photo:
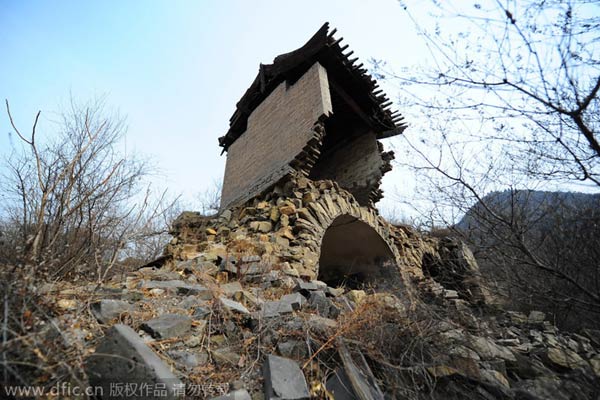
109 309
272 309
284 379
122 357
180 287
233 306
167 326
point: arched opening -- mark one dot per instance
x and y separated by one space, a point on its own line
354 255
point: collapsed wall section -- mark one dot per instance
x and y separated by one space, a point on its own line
277 132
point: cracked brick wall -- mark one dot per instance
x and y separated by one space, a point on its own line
278 129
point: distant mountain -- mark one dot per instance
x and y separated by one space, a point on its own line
536 208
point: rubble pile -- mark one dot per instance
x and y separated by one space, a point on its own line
235 310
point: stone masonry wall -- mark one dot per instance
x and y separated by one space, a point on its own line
278 129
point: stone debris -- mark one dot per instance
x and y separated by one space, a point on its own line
233 306
244 293
283 379
179 287
122 357
109 309
226 355
168 326
231 289
271 309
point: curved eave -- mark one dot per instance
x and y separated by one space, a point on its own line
324 48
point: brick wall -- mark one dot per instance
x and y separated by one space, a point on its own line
354 166
277 131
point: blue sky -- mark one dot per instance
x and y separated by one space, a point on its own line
175 69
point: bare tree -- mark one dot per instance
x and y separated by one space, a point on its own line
509 101
74 201
209 200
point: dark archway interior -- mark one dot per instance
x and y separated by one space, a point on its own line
355 256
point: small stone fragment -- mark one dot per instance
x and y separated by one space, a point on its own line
181 287
356 296
231 289
109 309
226 355
296 300
536 317
233 306
272 309
67 304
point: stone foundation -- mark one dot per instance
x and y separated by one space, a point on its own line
313 230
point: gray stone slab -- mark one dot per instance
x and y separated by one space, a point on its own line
272 309
230 289
339 385
305 287
320 302
296 300
109 309
295 349
123 358
181 287
168 325
284 379
233 306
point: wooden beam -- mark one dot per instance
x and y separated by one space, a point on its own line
350 101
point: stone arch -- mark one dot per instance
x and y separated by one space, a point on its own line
335 207
353 254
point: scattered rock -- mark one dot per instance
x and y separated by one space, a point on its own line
201 312
188 359
180 287
489 350
109 309
231 289
295 300
564 358
293 349
339 385
495 377
536 317
67 304
323 305
440 371
167 326
233 306
356 296
321 325
226 355
123 358
284 379
261 226
272 309
193 341
305 287
335 292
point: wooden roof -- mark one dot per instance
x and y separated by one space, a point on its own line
345 76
